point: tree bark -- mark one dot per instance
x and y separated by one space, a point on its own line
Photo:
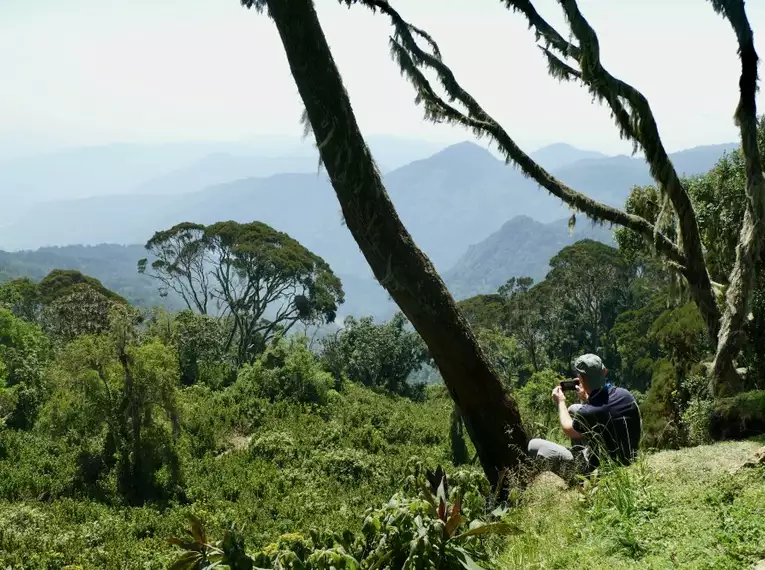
491 416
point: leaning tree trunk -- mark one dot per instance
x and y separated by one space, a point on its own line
490 415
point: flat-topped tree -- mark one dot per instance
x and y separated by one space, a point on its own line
579 60
262 280
490 415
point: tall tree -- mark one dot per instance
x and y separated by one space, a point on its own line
579 60
524 320
490 415
592 281
262 280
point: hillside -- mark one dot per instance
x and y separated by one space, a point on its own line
521 248
693 508
454 198
558 155
169 168
113 265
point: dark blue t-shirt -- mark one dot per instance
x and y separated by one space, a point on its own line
610 423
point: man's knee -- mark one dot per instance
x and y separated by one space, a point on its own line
548 450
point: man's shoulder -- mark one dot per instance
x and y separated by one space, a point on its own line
621 393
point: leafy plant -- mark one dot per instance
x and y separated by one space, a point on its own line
201 554
430 531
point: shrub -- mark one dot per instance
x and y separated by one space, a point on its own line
275 446
537 410
738 417
661 422
288 370
382 356
349 464
428 531
697 407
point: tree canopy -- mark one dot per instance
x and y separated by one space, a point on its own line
261 279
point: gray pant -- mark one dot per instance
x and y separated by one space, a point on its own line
549 450
561 459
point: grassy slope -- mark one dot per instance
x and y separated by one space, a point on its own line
692 508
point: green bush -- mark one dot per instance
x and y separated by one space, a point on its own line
275 446
288 370
418 532
739 417
697 407
381 356
661 422
349 464
534 400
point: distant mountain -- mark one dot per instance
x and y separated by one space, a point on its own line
522 247
457 197
171 168
558 155
610 179
113 265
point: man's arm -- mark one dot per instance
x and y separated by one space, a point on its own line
566 423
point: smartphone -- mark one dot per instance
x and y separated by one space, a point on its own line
569 385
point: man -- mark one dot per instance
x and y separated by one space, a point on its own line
607 423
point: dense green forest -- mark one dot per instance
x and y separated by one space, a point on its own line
119 423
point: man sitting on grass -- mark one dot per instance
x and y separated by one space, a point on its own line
606 423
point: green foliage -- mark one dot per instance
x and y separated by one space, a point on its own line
638 350
63 282
504 354
82 310
534 399
681 335
590 281
264 280
661 422
288 370
740 416
24 353
378 356
484 311
431 530
200 341
119 394
718 199
22 297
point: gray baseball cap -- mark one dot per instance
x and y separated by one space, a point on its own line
591 367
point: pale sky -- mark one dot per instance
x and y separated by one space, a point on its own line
99 71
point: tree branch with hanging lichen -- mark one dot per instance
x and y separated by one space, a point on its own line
635 120
411 58
752 234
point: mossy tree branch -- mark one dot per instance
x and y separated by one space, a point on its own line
635 120
752 234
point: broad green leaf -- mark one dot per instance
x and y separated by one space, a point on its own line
466 560
188 561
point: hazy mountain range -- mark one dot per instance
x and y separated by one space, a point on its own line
520 248
450 200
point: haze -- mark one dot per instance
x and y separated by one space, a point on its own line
88 72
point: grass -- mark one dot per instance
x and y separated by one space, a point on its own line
694 508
